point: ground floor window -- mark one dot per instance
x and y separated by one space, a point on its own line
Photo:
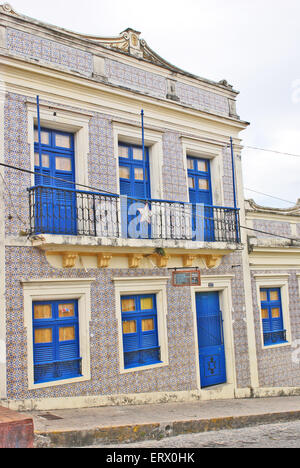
272 317
56 340
139 328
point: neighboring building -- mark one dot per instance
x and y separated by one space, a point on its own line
275 277
91 233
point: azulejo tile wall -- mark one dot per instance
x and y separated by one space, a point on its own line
46 50
275 365
30 263
180 375
16 153
59 54
174 174
282 229
202 100
135 78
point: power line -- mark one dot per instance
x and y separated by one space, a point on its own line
271 196
134 199
272 151
270 234
11 202
27 171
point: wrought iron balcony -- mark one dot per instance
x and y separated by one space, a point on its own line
75 212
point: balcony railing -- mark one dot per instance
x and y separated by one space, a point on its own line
75 212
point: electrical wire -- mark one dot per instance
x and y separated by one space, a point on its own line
271 196
12 204
273 151
131 198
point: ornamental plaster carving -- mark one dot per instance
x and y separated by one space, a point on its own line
7 8
251 207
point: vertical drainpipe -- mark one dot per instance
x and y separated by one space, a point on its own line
234 192
144 159
39 132
3 312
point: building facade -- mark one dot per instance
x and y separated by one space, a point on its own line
96 216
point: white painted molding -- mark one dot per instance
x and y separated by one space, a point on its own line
144 285
59 289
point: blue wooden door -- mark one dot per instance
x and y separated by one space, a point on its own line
210 339
200 193
134 183
55 210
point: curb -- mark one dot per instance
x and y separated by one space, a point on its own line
153 431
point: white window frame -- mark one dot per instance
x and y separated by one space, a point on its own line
61 119
61 290
132 134
144 285
275 281
214 154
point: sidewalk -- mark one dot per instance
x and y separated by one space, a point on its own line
124 424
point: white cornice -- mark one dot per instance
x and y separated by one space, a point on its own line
21 66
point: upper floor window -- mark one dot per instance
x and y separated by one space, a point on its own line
272 317
57 157
134 171
55 202
199 180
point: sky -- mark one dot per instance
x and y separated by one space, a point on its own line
253 44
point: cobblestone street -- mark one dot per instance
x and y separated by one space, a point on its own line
283 435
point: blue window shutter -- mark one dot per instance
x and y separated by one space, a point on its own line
198 195
58 359
56 210
142 347
132 187
273 326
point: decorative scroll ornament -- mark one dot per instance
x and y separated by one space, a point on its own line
7 8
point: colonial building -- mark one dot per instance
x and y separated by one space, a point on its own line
119 172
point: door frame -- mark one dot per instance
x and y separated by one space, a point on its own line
221 284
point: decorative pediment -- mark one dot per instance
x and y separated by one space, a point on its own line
129 41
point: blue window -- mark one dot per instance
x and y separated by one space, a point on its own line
56 340
134 171
200 192
139 326
272 319
55 209
199 181
134 182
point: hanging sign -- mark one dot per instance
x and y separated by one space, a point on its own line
186 278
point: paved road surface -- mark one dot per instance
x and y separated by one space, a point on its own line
283 435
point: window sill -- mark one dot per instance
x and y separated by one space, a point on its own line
280 344
54 383
144 368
